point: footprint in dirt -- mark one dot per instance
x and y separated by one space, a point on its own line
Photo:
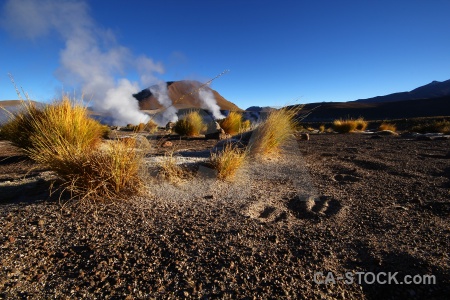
311 207
265 212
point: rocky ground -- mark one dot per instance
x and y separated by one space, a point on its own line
336 203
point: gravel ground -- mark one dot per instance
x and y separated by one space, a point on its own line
337 204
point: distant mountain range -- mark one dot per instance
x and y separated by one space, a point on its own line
435 89
183 94
430 100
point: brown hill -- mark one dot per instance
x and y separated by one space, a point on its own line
183 94
11 103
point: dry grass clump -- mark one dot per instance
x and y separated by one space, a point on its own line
228 161
19 129
190 124
139 128
246 125
442 126
108 173
62 137
387 126
270 135
151 126
346 126
54 130
233 123
170 170
361 125
322 128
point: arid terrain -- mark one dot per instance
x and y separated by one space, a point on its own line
337 203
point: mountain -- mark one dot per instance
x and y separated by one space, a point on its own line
434 89
260 109
183 94
329 111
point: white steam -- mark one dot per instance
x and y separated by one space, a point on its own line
208 102
169 113
91 60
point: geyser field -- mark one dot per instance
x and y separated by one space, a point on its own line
357 202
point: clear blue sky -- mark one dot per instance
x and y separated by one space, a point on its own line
276 51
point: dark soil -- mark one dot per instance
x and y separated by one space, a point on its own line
335 203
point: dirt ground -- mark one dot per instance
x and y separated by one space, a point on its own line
287 227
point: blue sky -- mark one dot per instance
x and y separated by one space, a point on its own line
278 52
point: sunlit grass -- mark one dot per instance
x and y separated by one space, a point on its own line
228 161
272 133
190 124
346 126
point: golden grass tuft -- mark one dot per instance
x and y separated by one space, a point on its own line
190 124
271 134
228 161
151 126
232 124
20 127
246 125
322 128
361 124
139 128
109 173
387 126
62 137
346 126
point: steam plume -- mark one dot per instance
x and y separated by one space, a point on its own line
91 59
169 113
208 102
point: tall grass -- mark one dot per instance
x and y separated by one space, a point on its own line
19 129
228 161
272 133
190 124
346 126
233 123
62 137
387 126
108 173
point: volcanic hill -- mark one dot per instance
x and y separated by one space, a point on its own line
184 94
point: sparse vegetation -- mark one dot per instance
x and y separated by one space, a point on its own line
387 126
346 126
233 123
151 126
108 173
139 128
322 128
62 137
361 124
273 132
190 124
19 129
441 126
246 125
228 161
170 170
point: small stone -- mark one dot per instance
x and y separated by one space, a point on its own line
304 136
167 144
